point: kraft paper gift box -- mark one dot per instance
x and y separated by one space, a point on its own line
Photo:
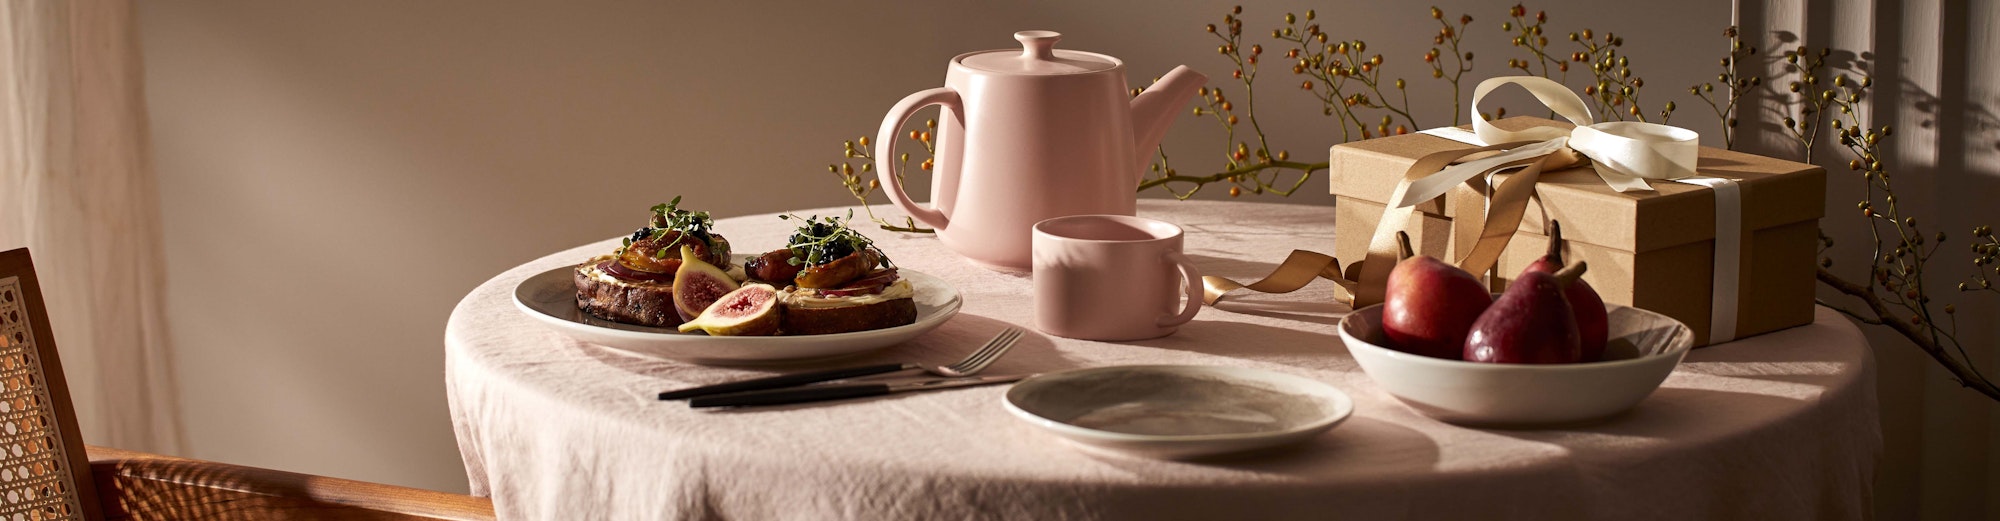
1648 249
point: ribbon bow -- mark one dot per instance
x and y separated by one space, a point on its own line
1625 155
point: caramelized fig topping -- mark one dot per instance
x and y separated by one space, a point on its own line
775 267
655 248
837 273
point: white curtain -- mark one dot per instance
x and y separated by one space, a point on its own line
76 187
1936 67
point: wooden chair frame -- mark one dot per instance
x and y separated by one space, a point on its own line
106 483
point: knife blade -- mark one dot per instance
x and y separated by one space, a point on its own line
841 392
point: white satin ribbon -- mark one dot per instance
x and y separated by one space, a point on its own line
1728 256
1624 154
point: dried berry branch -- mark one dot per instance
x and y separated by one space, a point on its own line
1615 89
1985 253
1258 168
1335 65
1530 36
1346 80
1811 100
1895 294
1963 372
1331 65
862 182
1735 83
1450 36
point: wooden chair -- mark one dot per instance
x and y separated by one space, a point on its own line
47 473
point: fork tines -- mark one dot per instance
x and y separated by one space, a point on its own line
989 352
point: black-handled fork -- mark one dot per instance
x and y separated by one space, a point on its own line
972 364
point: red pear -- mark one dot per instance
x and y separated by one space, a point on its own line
1530 324
1430 307
1591 320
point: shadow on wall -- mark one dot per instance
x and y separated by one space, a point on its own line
1943 161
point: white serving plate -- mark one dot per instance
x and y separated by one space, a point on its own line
1178 411
550 298
1644 348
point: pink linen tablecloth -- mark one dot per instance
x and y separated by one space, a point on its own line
1779 426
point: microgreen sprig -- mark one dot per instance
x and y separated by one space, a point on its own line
822 240
669 217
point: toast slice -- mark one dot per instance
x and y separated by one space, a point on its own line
627 302
808 313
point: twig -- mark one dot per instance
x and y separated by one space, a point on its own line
861 184
1450 36
1307 168
1735 83
1961 371
1812 101
1258 169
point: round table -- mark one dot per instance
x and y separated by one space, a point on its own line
1781 425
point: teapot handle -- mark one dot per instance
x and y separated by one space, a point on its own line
886 163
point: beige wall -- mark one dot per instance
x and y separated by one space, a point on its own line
336 175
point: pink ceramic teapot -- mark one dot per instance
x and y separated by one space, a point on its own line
1029 135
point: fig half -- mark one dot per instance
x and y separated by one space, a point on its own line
698 284
751 310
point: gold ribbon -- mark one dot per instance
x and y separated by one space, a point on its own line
1298 270
1625 154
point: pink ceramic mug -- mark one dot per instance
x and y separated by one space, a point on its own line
1112 277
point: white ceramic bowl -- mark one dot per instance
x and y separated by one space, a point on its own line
1644 348
1178 411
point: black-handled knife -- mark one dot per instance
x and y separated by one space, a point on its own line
786 380
840 392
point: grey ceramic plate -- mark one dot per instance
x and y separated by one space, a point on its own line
1178 411
550 298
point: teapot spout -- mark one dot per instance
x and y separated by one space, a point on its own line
1154 110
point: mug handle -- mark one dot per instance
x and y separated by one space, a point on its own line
1194 291
886 164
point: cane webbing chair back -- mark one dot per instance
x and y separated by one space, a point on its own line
47 473
44 472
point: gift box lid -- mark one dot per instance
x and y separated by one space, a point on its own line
1775 192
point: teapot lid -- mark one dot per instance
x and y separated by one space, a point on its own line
1038 56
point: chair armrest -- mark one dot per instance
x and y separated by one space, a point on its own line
151 486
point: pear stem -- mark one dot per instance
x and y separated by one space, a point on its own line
1555 242
1571 272
1403 239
